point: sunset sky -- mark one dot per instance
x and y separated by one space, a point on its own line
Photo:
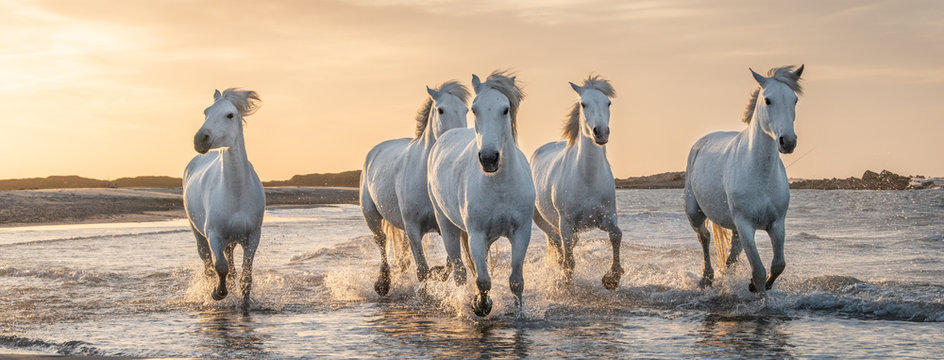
108 89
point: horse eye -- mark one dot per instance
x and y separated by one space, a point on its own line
609 103
505 112
440 111
766 100
229 116
583 105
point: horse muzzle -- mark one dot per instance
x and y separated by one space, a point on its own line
787 144
489 161
201 142
601 135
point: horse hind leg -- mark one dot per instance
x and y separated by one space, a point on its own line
203 249
245 281
228 253
375 224
553 238
696 219
415 237
611 278
736 249
519 248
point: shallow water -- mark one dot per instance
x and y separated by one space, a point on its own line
864 278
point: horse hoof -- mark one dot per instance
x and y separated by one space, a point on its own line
611 280
481 308
382 285
705 283
438 273
752 288
769 286
219 295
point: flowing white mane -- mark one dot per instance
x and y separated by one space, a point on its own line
504 82
785 74
571 129
245 101
450 87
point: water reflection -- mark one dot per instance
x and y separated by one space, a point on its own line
409 332
727 336
228 334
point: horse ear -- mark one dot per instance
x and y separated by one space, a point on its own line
799 70
476 83
575 87
760 78
431 92
216 95
513 78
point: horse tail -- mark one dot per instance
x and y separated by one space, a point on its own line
464 238
722 240
398 245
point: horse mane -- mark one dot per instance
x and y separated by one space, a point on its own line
503 81
571 129
245 101
451 87
784 74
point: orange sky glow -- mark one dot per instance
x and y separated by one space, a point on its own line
108 89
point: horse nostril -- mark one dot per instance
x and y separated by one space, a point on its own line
207 138
781 141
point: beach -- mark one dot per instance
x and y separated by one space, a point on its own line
106 205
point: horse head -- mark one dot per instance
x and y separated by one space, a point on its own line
775 104
495 109
223 122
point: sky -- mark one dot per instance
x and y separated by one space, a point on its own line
109 89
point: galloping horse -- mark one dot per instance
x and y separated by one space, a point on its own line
481 187
393 194
575 187
223 196
738 182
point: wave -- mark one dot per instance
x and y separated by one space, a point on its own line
62 348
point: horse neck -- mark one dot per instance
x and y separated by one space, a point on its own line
236 164
591 158
762 149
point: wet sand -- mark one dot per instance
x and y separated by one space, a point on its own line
77 206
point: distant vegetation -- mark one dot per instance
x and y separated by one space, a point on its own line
870 180
343 179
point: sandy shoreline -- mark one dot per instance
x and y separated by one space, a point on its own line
78 206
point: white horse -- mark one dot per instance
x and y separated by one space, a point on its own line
394 196
575 187
738 182
223 197
481 187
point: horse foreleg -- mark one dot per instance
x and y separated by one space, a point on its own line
220 264
611 279
245 279
415 236
519 248
478 247
746 230
777 236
